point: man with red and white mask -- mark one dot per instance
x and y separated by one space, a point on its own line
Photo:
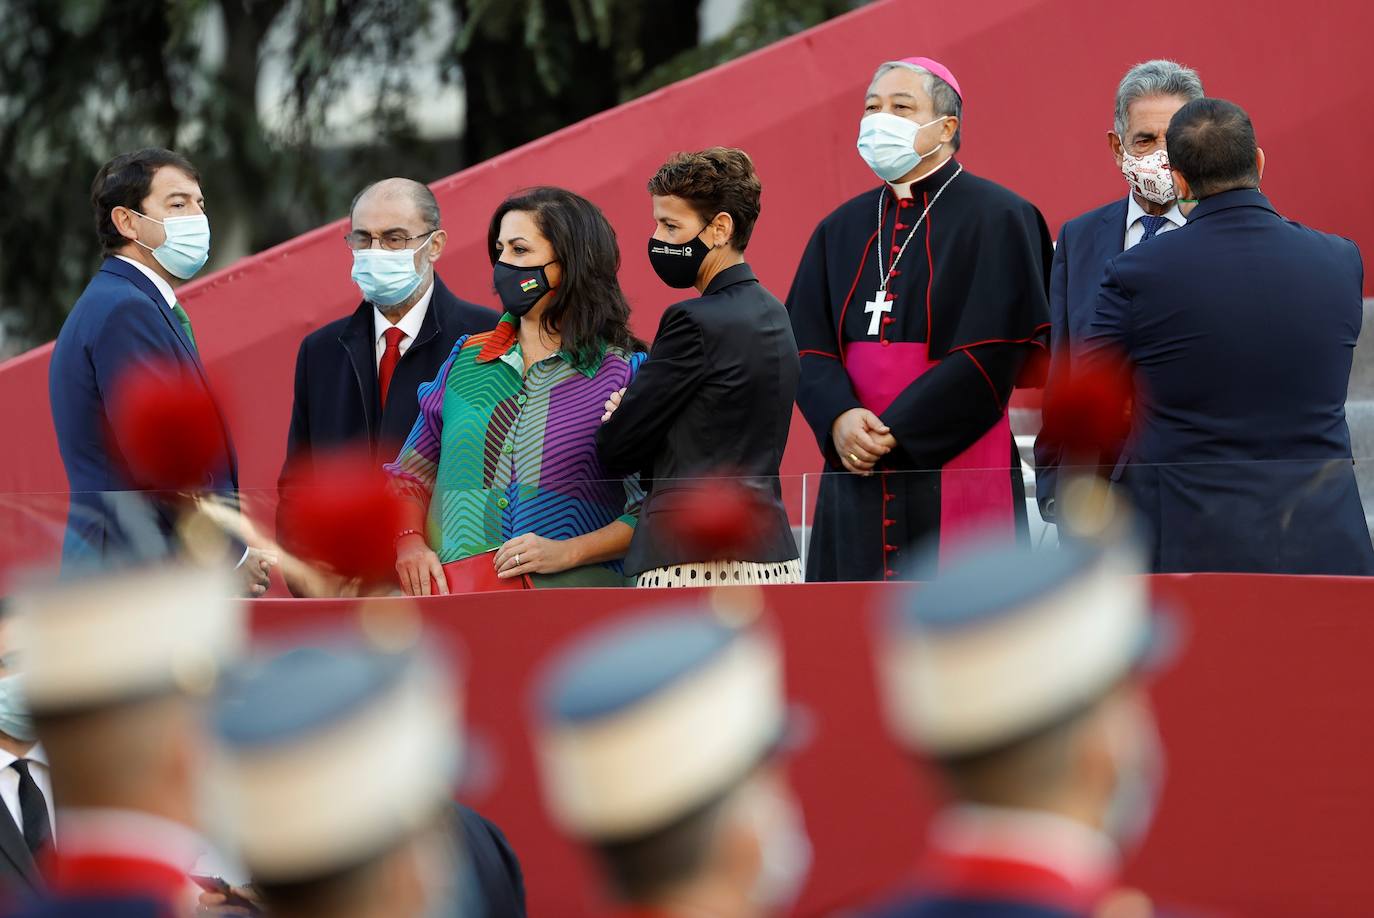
1146 99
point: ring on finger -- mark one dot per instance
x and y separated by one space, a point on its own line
853 458
517 559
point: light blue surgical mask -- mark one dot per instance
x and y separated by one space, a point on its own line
887 142
187 246
387 277
14 713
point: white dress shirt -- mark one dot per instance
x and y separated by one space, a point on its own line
410 324
162 286
9 784
1135 230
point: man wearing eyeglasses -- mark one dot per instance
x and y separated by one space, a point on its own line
356 378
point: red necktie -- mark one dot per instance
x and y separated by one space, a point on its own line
390 357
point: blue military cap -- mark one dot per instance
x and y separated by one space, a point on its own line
1006 641
644 721
327 755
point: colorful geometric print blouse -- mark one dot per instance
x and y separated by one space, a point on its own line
496 453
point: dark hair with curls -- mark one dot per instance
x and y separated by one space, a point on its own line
588 310
126 181
718 180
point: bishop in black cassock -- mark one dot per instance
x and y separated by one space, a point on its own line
932 344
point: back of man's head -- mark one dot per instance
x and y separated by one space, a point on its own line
1212 145
139 755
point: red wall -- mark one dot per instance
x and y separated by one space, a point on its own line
1265 716
1039 76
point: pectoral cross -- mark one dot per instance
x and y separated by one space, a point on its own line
876 307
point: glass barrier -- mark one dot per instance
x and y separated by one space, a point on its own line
1279 516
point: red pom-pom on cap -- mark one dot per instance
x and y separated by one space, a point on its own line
1088 415
717 520
340 512
167 427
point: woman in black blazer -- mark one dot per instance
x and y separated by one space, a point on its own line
715 396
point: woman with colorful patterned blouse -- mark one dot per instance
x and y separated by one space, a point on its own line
500 470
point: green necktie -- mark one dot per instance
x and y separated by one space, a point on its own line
185 321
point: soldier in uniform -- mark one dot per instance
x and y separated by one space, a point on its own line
118 669
1016 673
656 744
336 768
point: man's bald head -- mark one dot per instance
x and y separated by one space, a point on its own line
415 196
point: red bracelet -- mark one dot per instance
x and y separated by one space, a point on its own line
402 534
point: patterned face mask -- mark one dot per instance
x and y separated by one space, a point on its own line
1149 175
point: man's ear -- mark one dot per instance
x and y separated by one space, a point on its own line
436 245
722 229
949 128
123 220
1259 162
1114 143
1184 192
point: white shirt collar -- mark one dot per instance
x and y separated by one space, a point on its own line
410 322
1068 847
163 287
36 754
94 831
1134 212
903 189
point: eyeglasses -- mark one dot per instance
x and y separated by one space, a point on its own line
395 240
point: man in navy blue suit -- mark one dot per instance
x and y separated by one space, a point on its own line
150 217
357 377
1146 99
1241 329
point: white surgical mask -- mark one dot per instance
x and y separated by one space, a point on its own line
887 143
1149 175
387 277
14 713
187 246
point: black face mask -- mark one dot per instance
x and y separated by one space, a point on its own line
678 265
520 288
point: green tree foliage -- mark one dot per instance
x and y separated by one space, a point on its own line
81 80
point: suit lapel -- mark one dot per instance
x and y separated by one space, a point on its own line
357 342
148 288
13 847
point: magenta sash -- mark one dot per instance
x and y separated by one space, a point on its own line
975 486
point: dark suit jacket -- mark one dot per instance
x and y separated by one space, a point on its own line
336 397
19 877
1085 245
119 323
499 882
950 907
1241 327
715 397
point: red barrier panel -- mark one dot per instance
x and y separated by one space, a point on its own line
1039 76
1265 715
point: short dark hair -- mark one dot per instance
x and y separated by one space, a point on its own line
588 310
640 868
714 181
1211 143
125 181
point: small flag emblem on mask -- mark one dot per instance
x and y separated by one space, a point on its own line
528 285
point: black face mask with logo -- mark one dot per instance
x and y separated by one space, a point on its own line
519 288
678 265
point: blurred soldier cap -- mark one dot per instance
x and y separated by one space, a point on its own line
1007 642
106 639
646 720
330 755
